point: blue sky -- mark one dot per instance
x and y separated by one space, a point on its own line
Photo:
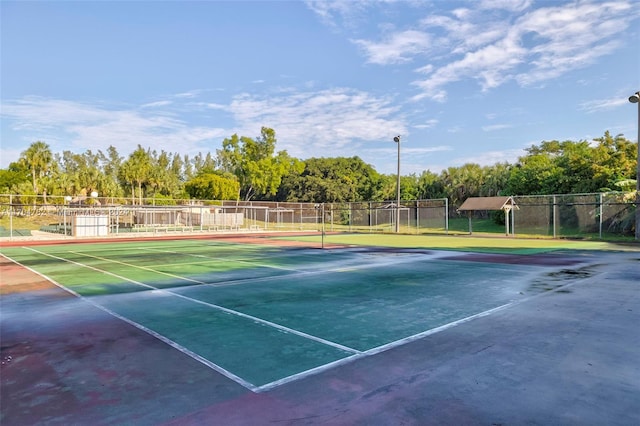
461 81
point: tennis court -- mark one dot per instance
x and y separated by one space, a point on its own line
264 316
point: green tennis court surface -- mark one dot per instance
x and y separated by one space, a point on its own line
265 315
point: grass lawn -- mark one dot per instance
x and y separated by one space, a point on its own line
468 243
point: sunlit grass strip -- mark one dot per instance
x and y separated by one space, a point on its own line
463 243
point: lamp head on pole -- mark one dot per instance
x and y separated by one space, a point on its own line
396 139
635 99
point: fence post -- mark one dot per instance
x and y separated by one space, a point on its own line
600 212
446 216
513 220
507 212
554 213
10 216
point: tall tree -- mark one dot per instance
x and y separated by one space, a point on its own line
90 174
554 167
575 161
430 186
614 161
38 159
409 188
111 163
162 180
188 168
177 167
495 179
462 182
253 163
535 174
69 168
136 170
331 180
212 186
13 176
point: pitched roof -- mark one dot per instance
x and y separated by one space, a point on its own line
486 203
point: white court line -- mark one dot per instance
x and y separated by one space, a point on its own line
356 354
376 350
420 335
217 284
344 268
214 306
88 267
407 340
435 330
139 326
307 373
145 268
200 256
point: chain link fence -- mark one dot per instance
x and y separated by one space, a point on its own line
601 215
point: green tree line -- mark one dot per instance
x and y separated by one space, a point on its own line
246 168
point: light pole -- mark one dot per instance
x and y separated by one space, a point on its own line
635 99
397 140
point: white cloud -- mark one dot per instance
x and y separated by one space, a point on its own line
9 155
603 104
412 151
570 37
325 121
510 5
413 159
397 48
494 127
427 125
38 112
156 104
80 126
505 40
426 150
492 157
331 12
494 41
189 94
329 122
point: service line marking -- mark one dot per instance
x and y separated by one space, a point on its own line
141 327
212 305
355 354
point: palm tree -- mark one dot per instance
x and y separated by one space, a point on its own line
137 170
38 159
125 174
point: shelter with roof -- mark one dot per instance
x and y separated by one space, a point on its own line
506 204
